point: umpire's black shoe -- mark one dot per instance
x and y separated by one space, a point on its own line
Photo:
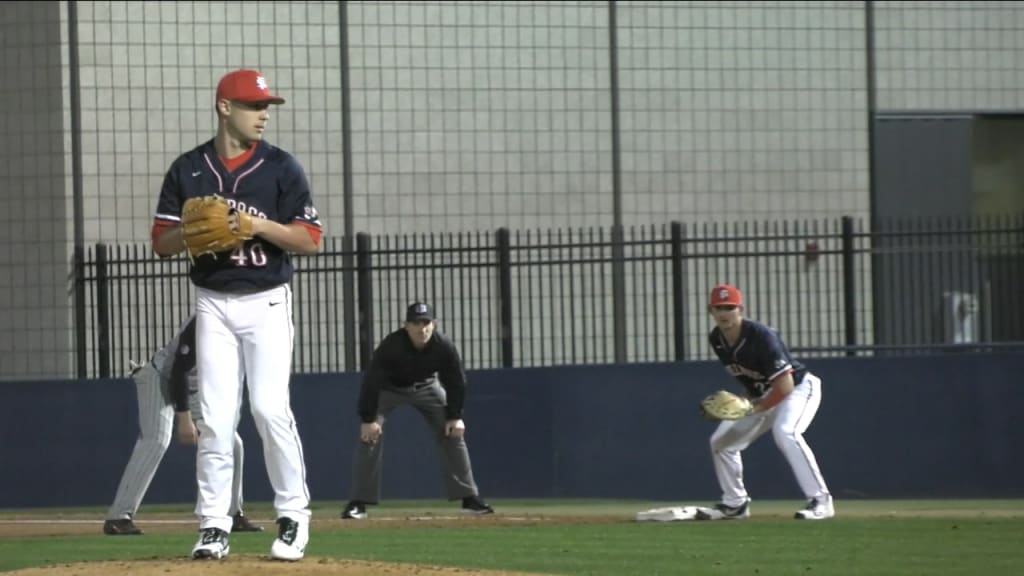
240 523
354 510
474 505
121 527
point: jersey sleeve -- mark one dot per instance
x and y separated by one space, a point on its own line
168 206
296 197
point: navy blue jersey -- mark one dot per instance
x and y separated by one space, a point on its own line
758 357
270 185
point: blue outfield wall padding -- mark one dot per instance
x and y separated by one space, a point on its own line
889 427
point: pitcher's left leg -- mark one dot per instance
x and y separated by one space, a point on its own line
236 481
268 353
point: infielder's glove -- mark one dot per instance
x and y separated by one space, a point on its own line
209 225
724 405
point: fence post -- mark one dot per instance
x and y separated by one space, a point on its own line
81 338
504 247
102 310
849 286
678 300
365 289
619 327
348 306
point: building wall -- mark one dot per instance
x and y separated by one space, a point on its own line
477 115
35 192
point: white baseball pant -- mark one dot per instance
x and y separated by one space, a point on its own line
246 338
788 421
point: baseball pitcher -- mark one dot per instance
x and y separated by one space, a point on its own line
239 207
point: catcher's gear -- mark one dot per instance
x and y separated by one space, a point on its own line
724 405
210 225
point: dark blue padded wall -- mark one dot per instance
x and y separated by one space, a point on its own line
912 427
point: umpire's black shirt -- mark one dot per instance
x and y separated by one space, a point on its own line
397 364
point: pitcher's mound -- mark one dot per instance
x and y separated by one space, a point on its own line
250 565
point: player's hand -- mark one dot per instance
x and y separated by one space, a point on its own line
455 429
370 432
187 433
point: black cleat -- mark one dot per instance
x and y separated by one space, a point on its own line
121 527
474 505
722 511
240 523
354 510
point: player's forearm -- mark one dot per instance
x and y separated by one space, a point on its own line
781 387
291 237
167 241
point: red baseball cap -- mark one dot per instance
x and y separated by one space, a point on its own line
246 86
726 295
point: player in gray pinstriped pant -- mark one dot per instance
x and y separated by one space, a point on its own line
166 391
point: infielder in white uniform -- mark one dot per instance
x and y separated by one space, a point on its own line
166 389
244 329
786 398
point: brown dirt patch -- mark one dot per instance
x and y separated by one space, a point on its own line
34 526
248 565
257 565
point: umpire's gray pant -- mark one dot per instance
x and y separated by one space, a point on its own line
429 400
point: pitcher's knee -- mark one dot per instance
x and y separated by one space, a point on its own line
264 416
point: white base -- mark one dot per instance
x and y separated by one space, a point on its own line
670 514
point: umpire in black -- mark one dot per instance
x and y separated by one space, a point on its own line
420 366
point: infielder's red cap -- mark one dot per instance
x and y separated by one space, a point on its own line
726 295
246 86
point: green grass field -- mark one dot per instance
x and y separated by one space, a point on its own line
558 537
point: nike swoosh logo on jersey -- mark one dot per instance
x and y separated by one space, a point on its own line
194 174
274 303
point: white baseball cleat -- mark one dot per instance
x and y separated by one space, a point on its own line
212 545
817 509
292 537
722 511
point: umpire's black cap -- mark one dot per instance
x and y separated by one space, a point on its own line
419 311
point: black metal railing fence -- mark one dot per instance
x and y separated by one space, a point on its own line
545 297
